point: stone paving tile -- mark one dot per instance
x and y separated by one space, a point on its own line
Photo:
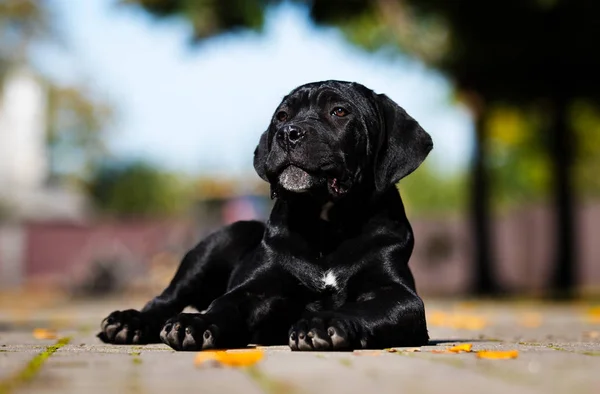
11 362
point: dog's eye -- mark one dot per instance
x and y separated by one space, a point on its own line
281 116
339 111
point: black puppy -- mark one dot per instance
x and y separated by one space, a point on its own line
329 270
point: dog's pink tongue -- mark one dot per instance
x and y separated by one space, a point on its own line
335 185
295 179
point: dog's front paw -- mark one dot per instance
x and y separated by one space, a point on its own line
321 332
126 328
189 332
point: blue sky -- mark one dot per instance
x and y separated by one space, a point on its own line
202 109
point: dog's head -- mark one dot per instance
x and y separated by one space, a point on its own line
329 138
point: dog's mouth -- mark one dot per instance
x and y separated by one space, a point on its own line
297 180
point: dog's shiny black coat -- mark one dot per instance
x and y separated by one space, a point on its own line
329 270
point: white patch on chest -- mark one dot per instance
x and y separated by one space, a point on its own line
329 280
325 211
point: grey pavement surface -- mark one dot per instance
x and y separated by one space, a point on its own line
559 352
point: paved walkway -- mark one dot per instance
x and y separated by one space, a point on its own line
558 352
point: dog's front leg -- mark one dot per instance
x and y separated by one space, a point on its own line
201 277
390 316
232 320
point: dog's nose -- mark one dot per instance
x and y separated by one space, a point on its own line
290 135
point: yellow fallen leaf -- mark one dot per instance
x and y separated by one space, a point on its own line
230 358
463 347
204 356
593 314
498 354
240 358
591 334
44 333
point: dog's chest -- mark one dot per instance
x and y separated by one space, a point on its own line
329 280
330 292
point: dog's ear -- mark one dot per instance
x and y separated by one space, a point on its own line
402 144
260 155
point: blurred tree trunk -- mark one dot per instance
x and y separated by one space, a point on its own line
484 281
562 149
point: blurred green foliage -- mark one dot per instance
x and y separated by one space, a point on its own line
586 125
517 156
519 161
138 189
427 192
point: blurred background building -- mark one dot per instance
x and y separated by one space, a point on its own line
127 129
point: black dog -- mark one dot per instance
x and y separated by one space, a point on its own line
329 270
